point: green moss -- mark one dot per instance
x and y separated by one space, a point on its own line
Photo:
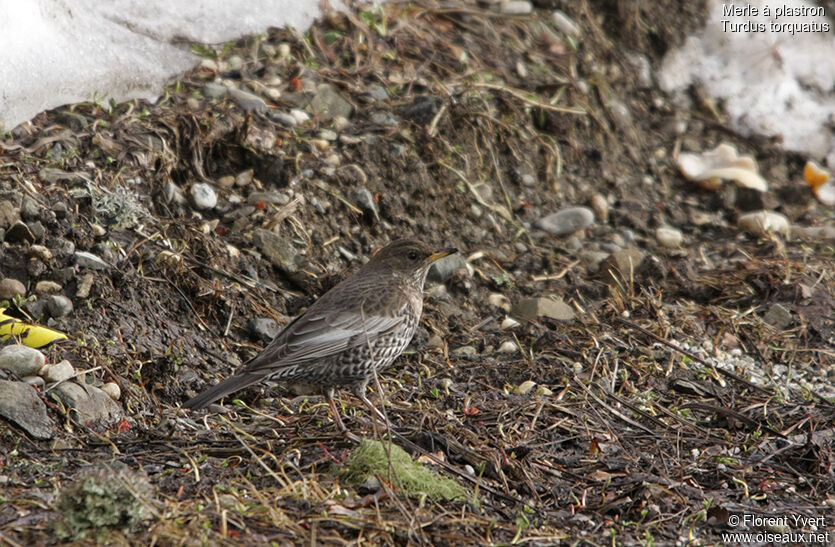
370 459
102 498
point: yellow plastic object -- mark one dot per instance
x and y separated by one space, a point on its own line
33 336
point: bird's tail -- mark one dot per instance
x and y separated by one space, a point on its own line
230 385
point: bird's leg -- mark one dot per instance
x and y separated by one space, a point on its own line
359 391
329 392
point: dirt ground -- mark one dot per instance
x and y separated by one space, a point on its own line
669 404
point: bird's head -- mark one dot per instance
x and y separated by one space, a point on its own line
408 257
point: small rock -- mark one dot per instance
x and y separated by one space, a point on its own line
642 68
11 288
320 144
29 208
214 91
327 103
328 135
778 316
8 214
508 346
89 260
112 390
499 301
22 360
464 351
566 25
600 205
278 250
60 209
529 309
516 7
247 101
544 391
377 92
84 286
173 194
442 269
203 196
98 230
59 306
365 200
244 177
19 232
621 265
670 238
384 118
283 118
58 372
276 198
299 115
34 381
19 403
40 252
90 403
592 259
524 388
435 342
263 329
47 287
509 323
566 221
763 222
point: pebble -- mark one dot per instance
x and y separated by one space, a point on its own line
763 222
499 300
47 287
328 135
508 346
112 390
435 342
778 316
283 50
91 403
29 208
671 238
247 101
20 403
524 388
328 103
464 351
275 198
35 381
530 309
244 177
40 252
565 24
173 193
22 360
278 250
8 214
214 91
516 7
566 221
443 269
89 260
84 286
59 306
203 196
283 118
365 200
11 288
263 329
600 205
98 230
299 115
58 372
19 232
509 323
621 265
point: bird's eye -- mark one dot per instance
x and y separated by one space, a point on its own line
413 255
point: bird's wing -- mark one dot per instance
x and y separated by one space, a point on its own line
314 336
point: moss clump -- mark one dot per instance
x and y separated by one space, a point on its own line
102 498
370 459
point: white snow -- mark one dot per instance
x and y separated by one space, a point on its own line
56 52
772 83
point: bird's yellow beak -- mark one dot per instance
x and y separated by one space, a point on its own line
440 254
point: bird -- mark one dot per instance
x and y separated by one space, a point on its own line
352 331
